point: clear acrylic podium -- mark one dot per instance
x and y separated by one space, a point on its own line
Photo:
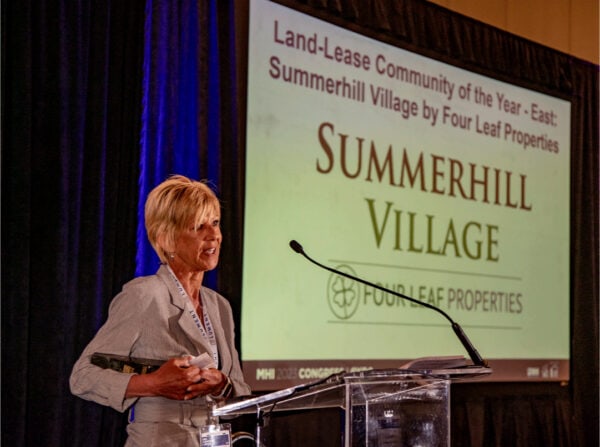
381 408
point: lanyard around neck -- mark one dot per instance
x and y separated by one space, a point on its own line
206 331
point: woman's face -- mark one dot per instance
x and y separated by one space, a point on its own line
198 247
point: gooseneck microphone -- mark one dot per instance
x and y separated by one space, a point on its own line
475 357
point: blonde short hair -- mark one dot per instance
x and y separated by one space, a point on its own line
171 206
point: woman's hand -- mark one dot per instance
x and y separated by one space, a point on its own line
213 381
172 380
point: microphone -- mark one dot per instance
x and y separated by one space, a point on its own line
475 357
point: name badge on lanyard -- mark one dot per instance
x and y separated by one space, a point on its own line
218 435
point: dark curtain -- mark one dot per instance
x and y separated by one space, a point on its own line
100 101
71 83
74 86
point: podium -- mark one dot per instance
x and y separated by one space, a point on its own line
380 408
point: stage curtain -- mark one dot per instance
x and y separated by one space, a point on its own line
169 140
71 96
101 101
191 120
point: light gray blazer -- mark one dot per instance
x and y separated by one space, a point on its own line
149 318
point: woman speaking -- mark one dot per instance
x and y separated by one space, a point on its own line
169 316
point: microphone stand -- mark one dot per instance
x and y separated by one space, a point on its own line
473 354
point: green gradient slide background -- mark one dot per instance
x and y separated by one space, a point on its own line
287 302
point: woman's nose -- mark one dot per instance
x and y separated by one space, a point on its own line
214 232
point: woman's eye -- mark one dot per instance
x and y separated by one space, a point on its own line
213 223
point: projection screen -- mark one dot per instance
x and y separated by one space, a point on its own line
435 182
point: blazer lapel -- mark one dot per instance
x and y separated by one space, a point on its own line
186 320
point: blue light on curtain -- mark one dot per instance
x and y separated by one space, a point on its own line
214 96
214 113
169 137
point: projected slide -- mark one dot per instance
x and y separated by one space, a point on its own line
435 182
